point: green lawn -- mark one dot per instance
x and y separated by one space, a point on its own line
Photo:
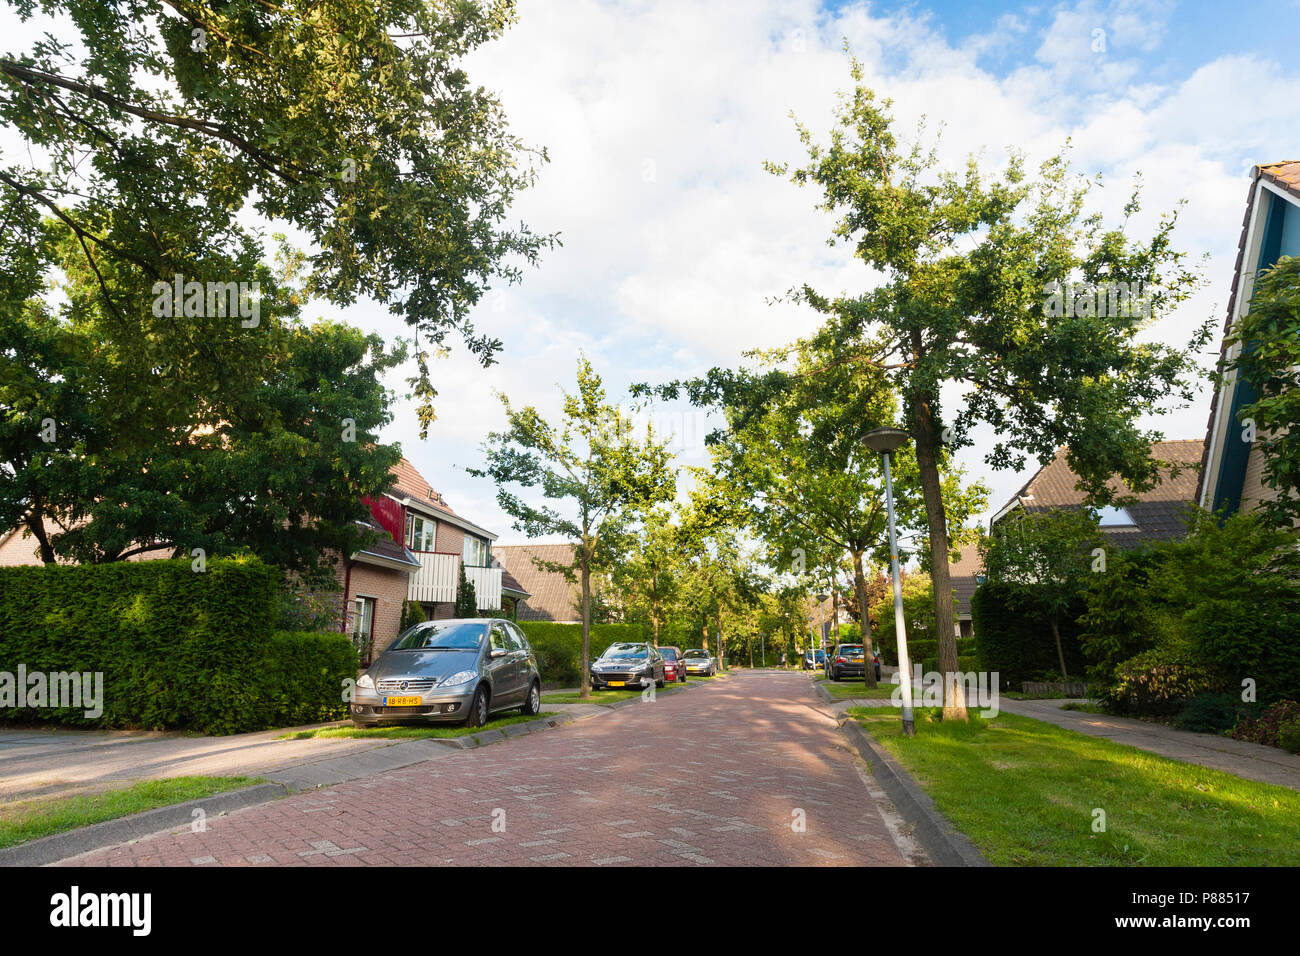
1025 792
407 732
24 820
606 696
848 689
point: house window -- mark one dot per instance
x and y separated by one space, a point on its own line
1111 517
363 627
420 532
475 554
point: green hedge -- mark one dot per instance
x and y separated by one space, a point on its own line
1013 635
922 649
177 649
559 646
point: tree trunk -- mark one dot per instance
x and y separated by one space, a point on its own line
864 620
1060 653
923 433
585 676
722 646
36 524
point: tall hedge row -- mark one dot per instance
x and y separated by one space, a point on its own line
559 646
1013 634
177 648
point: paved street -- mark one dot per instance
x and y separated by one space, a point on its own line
714 775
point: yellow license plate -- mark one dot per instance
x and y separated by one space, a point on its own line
618 683
401 701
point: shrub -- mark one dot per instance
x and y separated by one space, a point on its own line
1267 727
412 613
1121 617
1288 736
1239 583
1158 682
178 649
1213 713
559 646
1012 635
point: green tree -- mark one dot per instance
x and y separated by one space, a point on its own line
646 578
791 454
466 599
355 121
976 268
1053 549
1268 360
593 461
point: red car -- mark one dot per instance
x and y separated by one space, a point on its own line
674 666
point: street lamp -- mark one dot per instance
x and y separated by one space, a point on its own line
821 635
884 441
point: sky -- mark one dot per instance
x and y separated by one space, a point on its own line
658 115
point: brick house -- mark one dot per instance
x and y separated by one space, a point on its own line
421 546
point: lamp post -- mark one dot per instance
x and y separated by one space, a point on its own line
821 635
884 441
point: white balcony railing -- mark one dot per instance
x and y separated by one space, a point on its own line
438 575
487 587
436 579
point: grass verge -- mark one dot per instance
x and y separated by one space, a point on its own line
411 733
1027 793
24 820
606 696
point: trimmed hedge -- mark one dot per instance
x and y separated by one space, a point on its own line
178 649
922 649
1014 637
559 646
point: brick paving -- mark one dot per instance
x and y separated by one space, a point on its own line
714 776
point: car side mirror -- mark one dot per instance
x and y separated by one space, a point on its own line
497 652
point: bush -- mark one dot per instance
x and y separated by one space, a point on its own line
1122 615
1288 736
1213 713
177 649
559 646
1014 638
1268 728
1158 683
412 613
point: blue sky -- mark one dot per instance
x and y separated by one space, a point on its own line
658 115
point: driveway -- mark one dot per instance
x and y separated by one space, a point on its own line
746 771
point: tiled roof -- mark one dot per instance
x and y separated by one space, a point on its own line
1286 176
551 597
510 583
409 483
1158 513
963 571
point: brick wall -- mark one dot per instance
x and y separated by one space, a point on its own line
388 588
1253 489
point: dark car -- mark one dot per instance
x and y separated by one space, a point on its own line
625 665
459 670
699 662
813 659
674 666
846 660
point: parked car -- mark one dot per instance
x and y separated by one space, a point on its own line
699 662
626 665
674 666
813 659
846 660
460 670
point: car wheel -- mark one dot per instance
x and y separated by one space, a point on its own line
533 704
478 708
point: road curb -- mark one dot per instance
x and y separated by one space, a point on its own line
946 845
62 846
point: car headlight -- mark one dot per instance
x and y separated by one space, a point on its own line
366 682
460 677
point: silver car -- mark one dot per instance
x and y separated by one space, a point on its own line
461 670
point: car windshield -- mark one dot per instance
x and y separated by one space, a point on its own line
442 635
625 652
695 654
668 653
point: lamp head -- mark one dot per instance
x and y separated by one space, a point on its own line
884 440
